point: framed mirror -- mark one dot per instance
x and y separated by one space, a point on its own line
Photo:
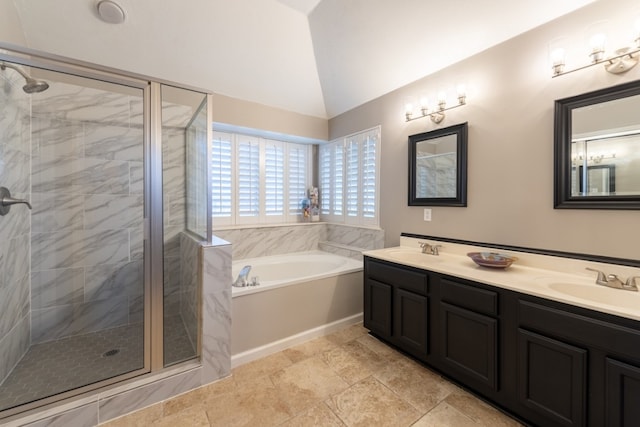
438 167
597 149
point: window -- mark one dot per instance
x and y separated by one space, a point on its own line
256 180
348 174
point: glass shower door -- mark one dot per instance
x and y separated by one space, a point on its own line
184 148
72 291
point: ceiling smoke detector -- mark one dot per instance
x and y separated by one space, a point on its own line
110 11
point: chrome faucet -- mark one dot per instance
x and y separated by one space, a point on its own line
613 281
430 249
243 277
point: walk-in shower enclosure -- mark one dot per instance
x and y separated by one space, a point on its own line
97 283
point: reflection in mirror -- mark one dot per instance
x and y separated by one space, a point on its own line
600 180
437 167
597 144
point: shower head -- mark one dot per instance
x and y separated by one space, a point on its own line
32 85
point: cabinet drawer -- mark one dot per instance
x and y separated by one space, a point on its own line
400 277
573 327
469 297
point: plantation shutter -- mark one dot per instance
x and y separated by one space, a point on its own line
248 161
274 178
298 160
221 175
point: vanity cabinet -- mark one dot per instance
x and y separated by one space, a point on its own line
622 391
577 367
552 378
397 306
468 331
549 363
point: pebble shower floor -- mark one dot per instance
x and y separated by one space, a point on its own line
58 366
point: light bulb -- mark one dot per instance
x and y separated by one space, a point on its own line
557 60
442 99
424 104
597 39
462 93
408 108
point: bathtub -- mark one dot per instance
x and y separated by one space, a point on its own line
300 296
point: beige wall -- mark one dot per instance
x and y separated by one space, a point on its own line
250 114
510 174
10 28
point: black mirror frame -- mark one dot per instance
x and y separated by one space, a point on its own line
461 131
562 150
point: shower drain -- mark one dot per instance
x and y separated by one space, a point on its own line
111 352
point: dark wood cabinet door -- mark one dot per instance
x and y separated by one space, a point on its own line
470 344
552 379
622 394
410 323
377 307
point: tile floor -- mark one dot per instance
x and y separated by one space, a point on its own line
344 379
58 366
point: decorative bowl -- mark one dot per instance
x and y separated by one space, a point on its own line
492 259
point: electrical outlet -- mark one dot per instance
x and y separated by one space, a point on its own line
427 214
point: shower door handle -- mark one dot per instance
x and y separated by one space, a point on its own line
6 201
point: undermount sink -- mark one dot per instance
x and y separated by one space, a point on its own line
408 255
599 294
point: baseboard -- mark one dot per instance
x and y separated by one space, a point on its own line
276 346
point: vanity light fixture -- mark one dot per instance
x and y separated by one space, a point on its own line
435 114
622 60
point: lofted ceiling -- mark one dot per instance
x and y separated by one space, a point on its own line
314 57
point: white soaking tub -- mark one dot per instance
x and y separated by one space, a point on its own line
300 296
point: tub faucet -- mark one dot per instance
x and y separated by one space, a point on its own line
430 249
613 281
243 277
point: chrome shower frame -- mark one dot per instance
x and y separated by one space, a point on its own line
153 209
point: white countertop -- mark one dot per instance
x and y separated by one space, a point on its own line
559 279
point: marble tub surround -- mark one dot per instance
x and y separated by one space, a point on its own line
253 242
532 274
346 378
358 237
345 240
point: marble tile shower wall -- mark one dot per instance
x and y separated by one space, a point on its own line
196 159
174 193
87 237
340 239
15 226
